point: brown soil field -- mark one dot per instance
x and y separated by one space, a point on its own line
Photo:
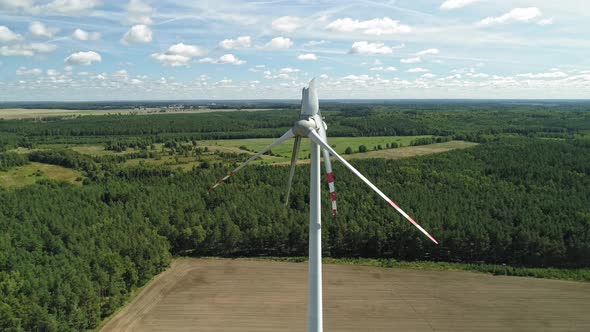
244 295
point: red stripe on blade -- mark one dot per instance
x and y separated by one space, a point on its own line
412 221
330 177
333 196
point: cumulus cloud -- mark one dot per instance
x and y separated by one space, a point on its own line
54 8
286 23
137 34
26 49
179 55
376 26
186 50
243 41
68 7
428 75
455 4
364 47
172 60
418 70
411 60
84 35
139 12
358 78
7 35
430 51
313 43
279 43
39 29
308 56
83 58
387 69
515 15
554 74
224 59
23 71
289 70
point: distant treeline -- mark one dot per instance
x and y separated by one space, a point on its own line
472 122
70 255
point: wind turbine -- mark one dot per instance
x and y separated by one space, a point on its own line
311 125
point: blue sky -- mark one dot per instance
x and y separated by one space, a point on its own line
226 49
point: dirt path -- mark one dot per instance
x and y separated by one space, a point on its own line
242 295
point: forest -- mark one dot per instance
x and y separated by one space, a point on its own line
70 255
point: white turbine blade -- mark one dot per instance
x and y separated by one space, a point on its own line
281 139
329 173
294 156
309 100
316 138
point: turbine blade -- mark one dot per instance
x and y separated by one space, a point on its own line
281 139
309 100
294 156
330 175
317 139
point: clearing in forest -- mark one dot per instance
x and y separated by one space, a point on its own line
245 295
21 176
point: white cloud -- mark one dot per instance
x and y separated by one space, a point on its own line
387 69
411 60
288 70
308 56
430 51
455 4
137 34
67 7
361 78
428 75
80 34
42 47
418 70
83 58
52 8
52 72
243 41
279 43
555 74
172 60
26 49
7 35
515 15
286 23
186 50
546 21
364 47
376 26
139 12
178 55
323 76
23 71
478 75
39 29
312 43
224 59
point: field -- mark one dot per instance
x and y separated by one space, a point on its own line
32 113
243 295
33 172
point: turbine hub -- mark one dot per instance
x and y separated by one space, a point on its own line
303 127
